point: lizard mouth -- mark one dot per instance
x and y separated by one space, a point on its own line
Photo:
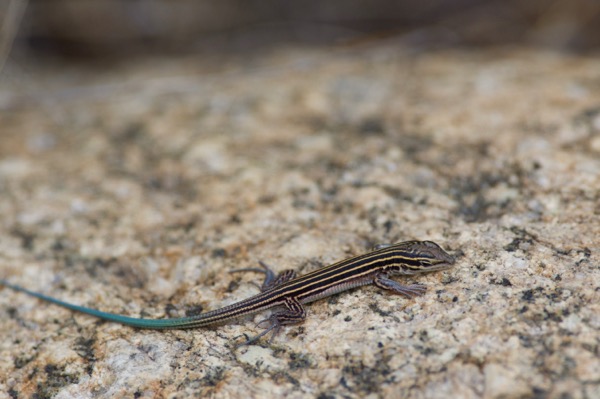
444 261
441 266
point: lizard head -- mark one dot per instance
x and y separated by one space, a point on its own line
419 257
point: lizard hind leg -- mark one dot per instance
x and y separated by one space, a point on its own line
293 313
271 279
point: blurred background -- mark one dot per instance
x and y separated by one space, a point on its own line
89 30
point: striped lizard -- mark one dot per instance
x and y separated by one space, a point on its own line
290 293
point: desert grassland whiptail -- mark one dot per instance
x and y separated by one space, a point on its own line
289 292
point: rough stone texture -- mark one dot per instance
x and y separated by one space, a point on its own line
136 189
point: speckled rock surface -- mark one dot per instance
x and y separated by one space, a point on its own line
136 190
